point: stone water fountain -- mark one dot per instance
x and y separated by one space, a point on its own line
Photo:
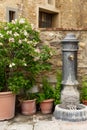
70 108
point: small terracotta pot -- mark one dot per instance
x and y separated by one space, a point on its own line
7 105
84 102
46 106
28 107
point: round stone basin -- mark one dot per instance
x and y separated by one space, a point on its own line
78 114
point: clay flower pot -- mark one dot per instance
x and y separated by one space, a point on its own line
28 107
84 102
46 106
7 105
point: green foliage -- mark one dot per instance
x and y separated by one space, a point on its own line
31 96
2 77
18 82
20 52
58 87
83 94
47 91
47 88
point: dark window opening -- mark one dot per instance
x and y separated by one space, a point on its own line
11 15
45 20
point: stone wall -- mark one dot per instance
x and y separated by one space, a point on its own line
26 8
72 13
32 7
53 39
69 13
4 4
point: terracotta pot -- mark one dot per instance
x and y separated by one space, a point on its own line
46 106
28 107
7 105
84 102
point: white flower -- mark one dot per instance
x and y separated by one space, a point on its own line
11 39
20 41
25 64
35 43
51 53
1 35
1 44
25 33
11 65
37 50
5 28
29 42
16 34
16 20
9 32
13 21
21 21
25 39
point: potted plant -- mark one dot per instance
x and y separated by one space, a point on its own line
21 56
45 97
58 88
83 93
28 106
28 99
7 97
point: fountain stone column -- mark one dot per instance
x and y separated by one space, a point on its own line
69 94
70 108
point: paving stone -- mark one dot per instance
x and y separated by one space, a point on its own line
27 123
45 125
3 125
60 125
20 127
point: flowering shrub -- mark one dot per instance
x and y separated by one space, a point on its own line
21 55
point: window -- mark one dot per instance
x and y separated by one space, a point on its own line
11 15
45 20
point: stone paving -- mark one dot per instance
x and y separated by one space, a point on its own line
40 122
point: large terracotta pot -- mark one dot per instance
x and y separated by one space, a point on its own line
7 105
28 107
46 106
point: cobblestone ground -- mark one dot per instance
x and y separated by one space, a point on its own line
40 122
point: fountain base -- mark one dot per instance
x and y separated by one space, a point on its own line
78 114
